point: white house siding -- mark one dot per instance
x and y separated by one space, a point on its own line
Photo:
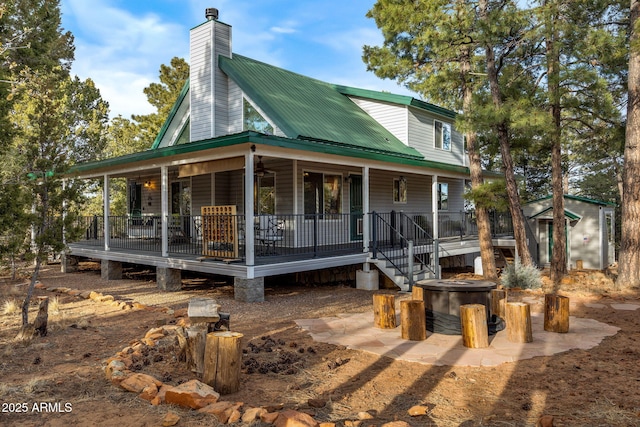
381 192
235 107
209 92
420 128
392 116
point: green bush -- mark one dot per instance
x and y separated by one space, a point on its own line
520 276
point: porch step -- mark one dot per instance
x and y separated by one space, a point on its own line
389 270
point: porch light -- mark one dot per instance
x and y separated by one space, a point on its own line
147 184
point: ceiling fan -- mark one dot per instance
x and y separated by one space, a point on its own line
260 170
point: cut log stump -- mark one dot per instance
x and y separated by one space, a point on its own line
499 302
473 322
417 293
413 320
519 322
196 340
384 311
556 313
222 360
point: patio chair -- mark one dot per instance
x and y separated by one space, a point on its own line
270 231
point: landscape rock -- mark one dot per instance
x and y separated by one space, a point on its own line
113 366
235 416
397 424
170 419
159 399
365 416
149 392
291 418
192 394
252 414
137 382
418 410
95 296
327 424
221 410
269 417
545 421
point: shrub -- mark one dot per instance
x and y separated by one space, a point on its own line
520 276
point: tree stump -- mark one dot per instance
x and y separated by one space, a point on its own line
556 313
519 322
222 361
417 293
473 322
413 320
384 311
40 324
498 302
196 341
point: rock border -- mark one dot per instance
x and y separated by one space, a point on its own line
195 394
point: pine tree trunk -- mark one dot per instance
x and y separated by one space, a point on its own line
559 257
502 129
629 266
489 270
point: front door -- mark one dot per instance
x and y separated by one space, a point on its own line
355 206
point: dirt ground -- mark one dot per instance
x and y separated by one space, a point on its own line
598 387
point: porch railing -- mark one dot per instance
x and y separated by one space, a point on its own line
276 236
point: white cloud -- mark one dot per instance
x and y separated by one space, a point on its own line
121 52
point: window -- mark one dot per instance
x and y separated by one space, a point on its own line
442 135
322 194
253 120
443 197
400 190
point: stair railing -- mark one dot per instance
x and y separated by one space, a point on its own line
397 238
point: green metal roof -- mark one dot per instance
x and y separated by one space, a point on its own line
308 109
567 214
578 198
395 99
327 147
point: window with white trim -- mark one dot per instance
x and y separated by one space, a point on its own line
253 120
442 135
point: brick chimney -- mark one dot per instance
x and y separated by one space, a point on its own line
209 86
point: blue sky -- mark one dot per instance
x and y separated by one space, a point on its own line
120 44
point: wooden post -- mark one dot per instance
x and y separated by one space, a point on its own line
498 302
417 293
519 322
40 324
196 340
473 322
384 311
222 360
556 313
413 320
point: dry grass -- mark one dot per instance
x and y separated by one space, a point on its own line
11 307
54 305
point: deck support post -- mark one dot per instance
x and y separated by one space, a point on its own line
169 279
367 278
110 270
248 290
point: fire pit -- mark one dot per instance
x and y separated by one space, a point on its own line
443 298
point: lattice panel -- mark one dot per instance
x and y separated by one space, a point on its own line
219 231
